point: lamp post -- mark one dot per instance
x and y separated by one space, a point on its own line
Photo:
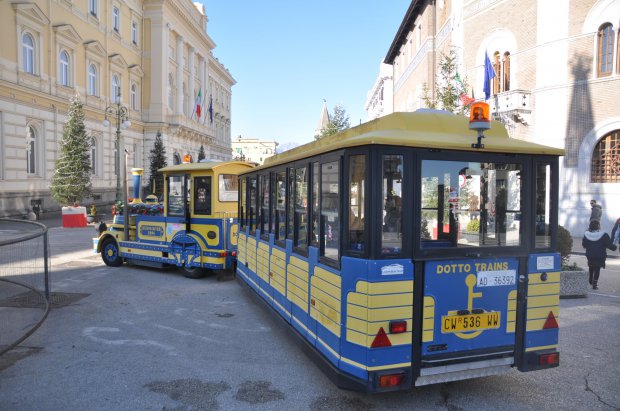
120 113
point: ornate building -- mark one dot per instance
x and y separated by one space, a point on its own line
155 55
557 82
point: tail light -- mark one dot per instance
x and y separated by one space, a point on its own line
549 359
391 380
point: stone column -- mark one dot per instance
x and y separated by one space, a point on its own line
191 85
179 84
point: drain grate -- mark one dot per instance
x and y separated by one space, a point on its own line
32 299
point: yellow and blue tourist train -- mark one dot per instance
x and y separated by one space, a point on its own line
408 250
194 229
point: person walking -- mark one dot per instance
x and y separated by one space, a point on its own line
596 243
597 211
615 233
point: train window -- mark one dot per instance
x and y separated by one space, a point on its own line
252 206
272 208
228 187
175 196
202 195
330 210
301 208
357 214
543 205
314 235
280 204
242 205
290 204
264 204
469 204
392 194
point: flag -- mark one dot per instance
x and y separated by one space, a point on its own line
198 109
466 100
489 74
211 108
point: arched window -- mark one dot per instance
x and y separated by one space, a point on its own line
93 156
497 67
606 159
176 159
92 80
28 50
134 97
64 68
506 72
31 150
116 89
605 49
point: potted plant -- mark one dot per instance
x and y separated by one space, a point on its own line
573 279
92 214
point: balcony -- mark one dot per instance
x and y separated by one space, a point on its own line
514 104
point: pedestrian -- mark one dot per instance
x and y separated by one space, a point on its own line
596 243
597 211
615 233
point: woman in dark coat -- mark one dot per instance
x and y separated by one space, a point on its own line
596 243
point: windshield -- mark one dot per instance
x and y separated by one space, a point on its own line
470 204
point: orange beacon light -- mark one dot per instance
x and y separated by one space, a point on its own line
479 120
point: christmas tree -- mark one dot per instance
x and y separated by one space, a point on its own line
201 153
157 159
71 180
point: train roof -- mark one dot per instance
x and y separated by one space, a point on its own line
208 165
431 129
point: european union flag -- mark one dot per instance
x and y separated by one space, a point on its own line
489 74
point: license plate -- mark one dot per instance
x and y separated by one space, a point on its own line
496 278
470 322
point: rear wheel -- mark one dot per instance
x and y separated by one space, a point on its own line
110 253
193 272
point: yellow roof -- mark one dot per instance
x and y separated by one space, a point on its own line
210 165
423 129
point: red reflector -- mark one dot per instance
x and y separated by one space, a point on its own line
233 253
391 380
549 359
381 340
397 327
551 322
223 253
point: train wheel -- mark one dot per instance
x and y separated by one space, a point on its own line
110 253
193 272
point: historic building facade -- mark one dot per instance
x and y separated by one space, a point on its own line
155 55
253 149
557 81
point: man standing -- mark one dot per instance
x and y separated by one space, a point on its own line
597 211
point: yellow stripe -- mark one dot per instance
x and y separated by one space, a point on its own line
534 313
544 301
386 287
326 287
543 347
543 289
381 301
551 278
328 276
297 262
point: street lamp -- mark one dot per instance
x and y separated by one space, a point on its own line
120 113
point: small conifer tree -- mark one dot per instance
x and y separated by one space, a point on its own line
338 122
157 160
201 153
71 180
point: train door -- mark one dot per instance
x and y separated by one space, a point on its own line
471 237
183 248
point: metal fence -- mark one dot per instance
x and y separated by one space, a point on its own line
24 280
